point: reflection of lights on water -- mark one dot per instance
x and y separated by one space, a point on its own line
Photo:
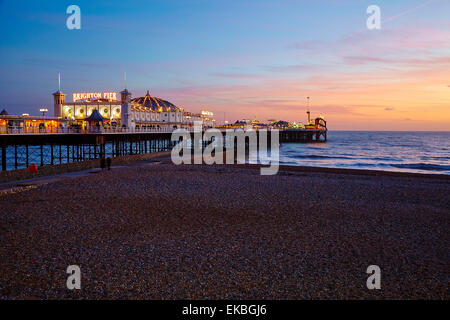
322 144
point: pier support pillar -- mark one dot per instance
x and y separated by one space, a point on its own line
3 158
42 155
15 157
51 157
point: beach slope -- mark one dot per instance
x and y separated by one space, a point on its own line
160 231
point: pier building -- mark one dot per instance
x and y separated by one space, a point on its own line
140 112
30 124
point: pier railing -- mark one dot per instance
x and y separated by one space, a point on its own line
119 130
94 130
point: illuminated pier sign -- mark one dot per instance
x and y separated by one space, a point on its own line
94 95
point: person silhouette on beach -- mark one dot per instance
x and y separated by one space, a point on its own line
102 163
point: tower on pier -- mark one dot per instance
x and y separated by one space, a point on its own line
125 98
59 99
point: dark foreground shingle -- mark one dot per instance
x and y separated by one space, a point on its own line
164 232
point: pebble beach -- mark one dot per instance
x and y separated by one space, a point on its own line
160 231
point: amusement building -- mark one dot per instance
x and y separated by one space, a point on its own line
106 111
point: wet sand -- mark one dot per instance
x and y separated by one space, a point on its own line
159 231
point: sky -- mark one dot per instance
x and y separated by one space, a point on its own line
241 59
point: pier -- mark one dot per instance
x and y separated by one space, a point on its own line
19 150
303 135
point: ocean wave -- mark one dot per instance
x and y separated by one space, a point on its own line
378 165
412 166
421 166
380 159
315 156
435 158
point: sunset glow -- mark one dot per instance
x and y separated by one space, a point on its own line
241 59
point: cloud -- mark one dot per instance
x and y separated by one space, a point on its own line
399 61
407 11
364 60
236 75
294 68
388 109
398 41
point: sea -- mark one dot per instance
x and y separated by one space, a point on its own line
419 152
